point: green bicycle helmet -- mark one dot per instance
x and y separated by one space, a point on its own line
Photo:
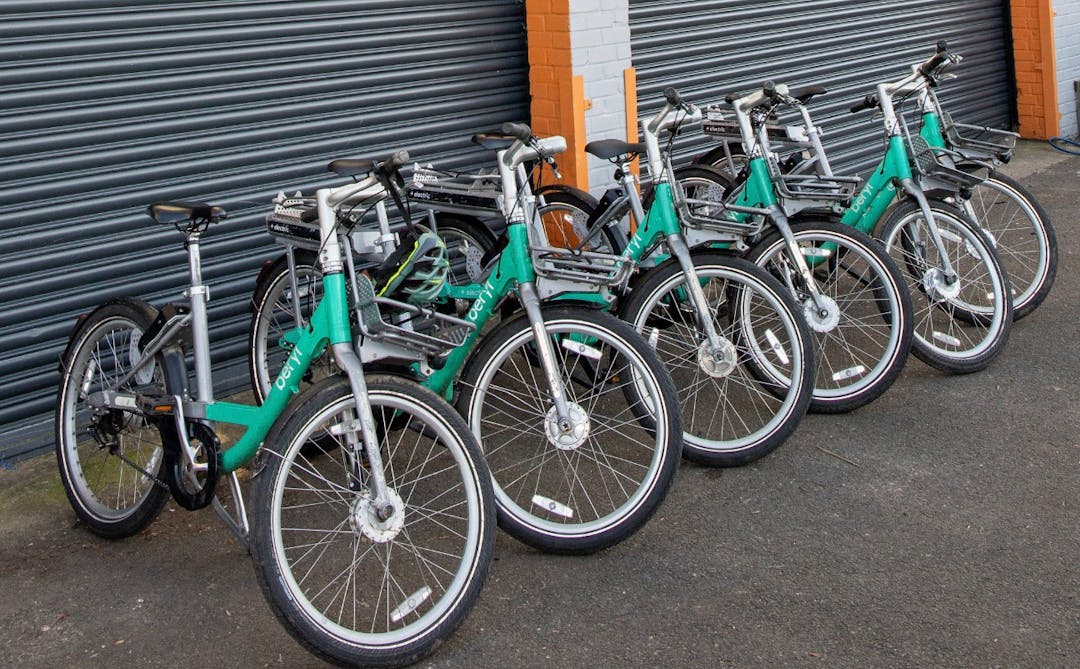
414 273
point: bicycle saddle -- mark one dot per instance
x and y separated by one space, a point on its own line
612 148
351 167
175 212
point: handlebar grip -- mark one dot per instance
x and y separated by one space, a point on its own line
940 56
672 96
517 130
396 161
869 102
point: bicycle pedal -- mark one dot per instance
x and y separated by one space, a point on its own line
157 405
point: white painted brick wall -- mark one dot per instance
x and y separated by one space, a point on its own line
1067 58
600 34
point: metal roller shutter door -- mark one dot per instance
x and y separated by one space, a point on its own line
709 48
109 105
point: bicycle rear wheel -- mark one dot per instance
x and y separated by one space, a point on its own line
113 498
588 488
350 587
1022 235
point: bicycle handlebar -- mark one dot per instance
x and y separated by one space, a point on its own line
518 131
868 102
940 56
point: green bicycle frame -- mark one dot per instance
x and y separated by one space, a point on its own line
514 267
329 325
881 188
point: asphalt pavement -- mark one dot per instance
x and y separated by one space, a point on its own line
937 527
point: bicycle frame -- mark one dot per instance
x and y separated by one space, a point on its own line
329 326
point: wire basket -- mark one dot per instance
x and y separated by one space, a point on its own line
420 329
987 141
816 187
580 266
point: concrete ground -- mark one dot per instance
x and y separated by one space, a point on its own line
937 527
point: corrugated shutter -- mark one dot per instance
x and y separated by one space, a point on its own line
709 48
108 106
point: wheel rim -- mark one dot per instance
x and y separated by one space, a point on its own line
567 225
732 411
105 486
402 578
1010 221
862 345
594 486
964 320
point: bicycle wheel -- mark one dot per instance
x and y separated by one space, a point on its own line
351 588
588 488
863 332
460 234
565 215
113 498
274 312
1023 238
961 327
740 408
704 187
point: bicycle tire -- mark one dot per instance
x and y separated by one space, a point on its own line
565 216
110 497
1023 238
412 578
747 408
864 340
958 333
544 491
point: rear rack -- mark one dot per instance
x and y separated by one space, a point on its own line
455 192
414 328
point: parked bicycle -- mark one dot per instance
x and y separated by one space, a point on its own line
576 415
371 523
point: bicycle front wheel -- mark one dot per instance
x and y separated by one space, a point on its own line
351 586
862 325
960 326
1022 235
585 488
742 405
109 479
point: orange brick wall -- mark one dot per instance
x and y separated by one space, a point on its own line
1033 53
557 106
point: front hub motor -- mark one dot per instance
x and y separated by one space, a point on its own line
577 431
823 317
721 363
364 517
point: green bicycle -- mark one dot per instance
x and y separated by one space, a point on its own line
372 518
576 415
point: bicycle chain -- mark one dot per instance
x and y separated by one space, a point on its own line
130 463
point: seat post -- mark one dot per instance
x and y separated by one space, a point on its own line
199 295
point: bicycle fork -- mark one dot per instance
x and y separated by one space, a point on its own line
717 355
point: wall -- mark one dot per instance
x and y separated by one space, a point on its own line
1067 57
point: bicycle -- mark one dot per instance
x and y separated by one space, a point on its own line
1019 228
853 301
962 308
576 415
371 525
710 315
